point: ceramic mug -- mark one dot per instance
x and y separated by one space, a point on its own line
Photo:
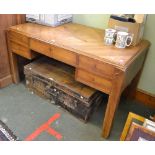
108 41
110 35
123 39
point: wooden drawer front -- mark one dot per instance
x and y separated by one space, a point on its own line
65 56
21 50
93 80
19 38
41 47
96 66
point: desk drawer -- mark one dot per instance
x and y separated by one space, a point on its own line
19 38
41 47
65 56
21 50
93 80
95 66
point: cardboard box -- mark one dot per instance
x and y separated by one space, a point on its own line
135 29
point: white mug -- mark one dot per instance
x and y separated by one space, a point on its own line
108 41
109 37
123 39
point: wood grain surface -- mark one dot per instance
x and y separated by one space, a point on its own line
105 68
82 39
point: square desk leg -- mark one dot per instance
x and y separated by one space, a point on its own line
113 101
14 67
131 89
13 62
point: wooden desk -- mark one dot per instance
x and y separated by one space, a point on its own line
105 68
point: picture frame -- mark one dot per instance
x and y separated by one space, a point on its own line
6 134
139 133
132 117
149 124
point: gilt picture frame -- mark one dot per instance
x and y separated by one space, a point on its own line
139 133
131 118
149 124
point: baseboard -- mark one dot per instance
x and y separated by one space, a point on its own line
5 81
145 98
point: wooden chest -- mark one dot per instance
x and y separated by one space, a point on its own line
55 81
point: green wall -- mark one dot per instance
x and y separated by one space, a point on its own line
94 20
147 80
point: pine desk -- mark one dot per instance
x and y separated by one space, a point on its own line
105 68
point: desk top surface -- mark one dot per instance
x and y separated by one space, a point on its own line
83 40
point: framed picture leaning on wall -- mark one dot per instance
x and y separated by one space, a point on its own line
140 133
149 125
131 118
